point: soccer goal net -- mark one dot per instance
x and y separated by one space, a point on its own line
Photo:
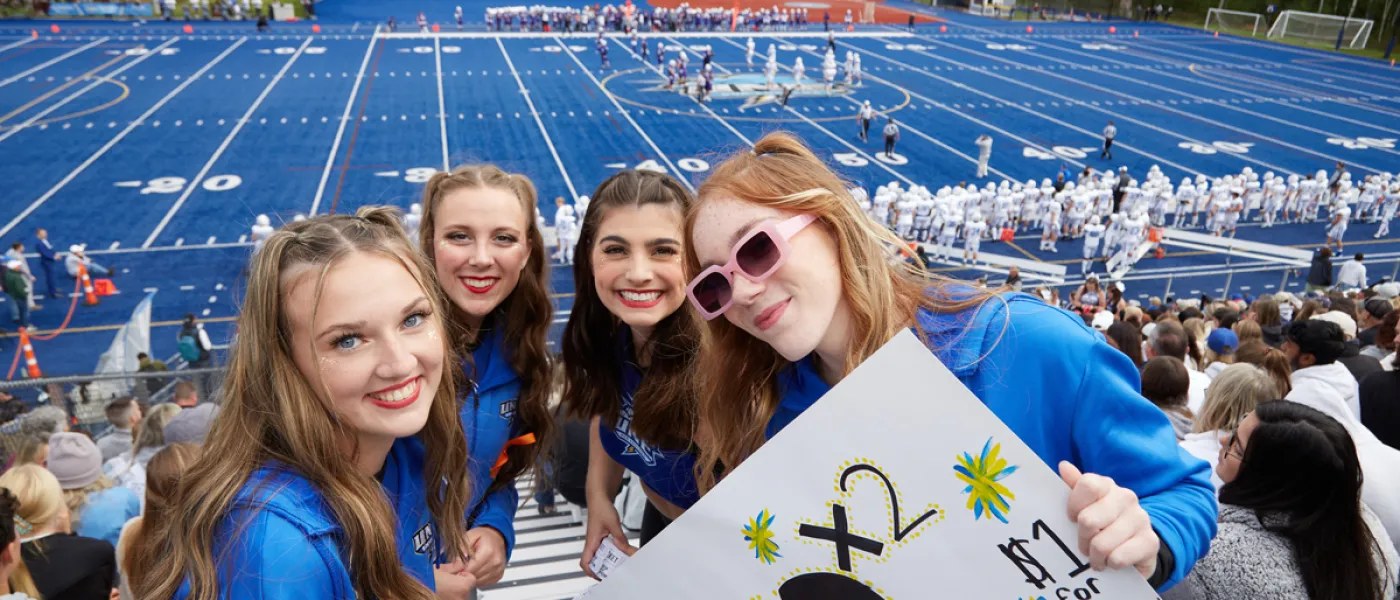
1219 19
1315 28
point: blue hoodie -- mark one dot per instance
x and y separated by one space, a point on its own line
488 418
668 472
1069 396
280 540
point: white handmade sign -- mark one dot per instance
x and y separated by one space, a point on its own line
898 485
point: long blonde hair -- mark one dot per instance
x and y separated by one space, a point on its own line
40 496
883 296
525 314
1232 395
271 413
20 580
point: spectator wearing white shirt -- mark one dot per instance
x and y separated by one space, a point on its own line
1353 273
1168 338
77 254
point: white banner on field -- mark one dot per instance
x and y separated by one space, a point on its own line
898 485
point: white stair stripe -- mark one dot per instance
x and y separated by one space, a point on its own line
544 536
564 588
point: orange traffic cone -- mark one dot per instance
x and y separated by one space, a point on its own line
942 29
436 28
89 296
189 28
1029 29
1112 29
31 365
53 28
34 34
315 29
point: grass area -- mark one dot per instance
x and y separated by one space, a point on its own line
1374 49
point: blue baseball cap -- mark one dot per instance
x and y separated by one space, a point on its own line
1222 341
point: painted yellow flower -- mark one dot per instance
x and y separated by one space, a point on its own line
982 474
759 535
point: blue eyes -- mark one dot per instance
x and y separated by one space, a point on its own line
351 341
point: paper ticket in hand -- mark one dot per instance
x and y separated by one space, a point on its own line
606 559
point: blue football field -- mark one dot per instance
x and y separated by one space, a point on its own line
158 148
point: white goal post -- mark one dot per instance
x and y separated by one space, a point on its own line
1221 19
1315 28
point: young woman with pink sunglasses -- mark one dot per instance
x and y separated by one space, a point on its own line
629 353
807 290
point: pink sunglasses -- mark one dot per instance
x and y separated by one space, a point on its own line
756 256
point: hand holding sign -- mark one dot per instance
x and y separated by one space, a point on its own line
1113 529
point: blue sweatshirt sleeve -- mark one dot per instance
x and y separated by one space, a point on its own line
497 511
1119 434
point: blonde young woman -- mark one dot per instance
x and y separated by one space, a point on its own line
1231 395
62 565
15 582
337 466
481 234
783 255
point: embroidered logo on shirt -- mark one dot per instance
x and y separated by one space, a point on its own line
423 539
508 409
635 445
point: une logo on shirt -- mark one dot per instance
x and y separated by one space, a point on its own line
423 539
635 445
508 409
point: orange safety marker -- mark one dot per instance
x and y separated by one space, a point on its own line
942 29
850 28
31 365
1217 34
189 28
88 294
53 28
1392 62
1029 29
315 29
104 287
436 28
1134 33
34 34
1112 29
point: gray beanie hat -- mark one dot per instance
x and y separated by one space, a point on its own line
74 460
191 424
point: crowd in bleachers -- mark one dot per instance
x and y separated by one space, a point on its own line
628 17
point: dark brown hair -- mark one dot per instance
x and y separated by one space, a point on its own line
525 314
664 403
1385 335
1166 383
1265 310
1128 339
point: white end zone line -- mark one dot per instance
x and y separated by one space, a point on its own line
194 183
524 91
51 62
97 80
340 131
113 142
680 175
